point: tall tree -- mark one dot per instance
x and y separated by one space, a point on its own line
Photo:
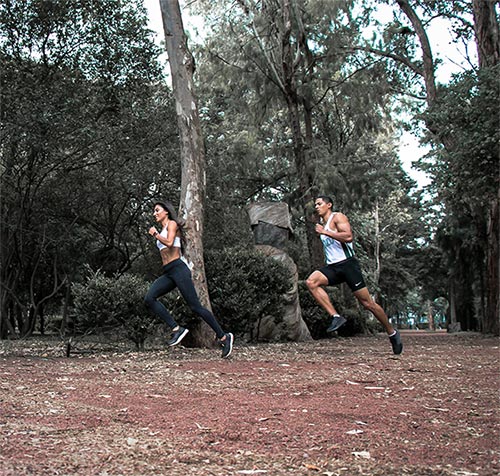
487 33
79 91
293 61
472 215
191 149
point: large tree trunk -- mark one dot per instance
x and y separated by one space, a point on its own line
302 142
430 316
427 59
307 191
488 47
491 321
487 34
192 153
376 278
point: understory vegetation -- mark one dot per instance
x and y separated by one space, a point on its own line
295 99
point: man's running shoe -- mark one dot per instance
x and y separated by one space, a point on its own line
177 336
397 345
337 322
227 345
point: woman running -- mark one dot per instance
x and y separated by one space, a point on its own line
176 274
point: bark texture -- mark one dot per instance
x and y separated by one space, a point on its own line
193 179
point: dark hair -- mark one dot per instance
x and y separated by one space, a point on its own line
325 198
172 214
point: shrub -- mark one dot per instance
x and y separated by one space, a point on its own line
244 286
113 302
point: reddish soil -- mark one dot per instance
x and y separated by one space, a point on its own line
331 407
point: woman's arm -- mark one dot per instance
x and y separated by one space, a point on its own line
171 233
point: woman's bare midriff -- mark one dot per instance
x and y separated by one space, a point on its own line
169 254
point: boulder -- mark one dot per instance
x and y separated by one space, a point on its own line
270 222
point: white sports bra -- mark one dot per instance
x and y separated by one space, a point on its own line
164 233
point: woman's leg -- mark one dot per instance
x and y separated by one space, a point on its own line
163 285
184 282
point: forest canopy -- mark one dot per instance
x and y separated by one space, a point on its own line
295 99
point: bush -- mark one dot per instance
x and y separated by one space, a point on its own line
244 286
103 302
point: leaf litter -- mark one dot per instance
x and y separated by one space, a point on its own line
277 409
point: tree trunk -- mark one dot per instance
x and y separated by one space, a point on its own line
430 316
428 61
486 30
377 244
491 321
488 47
306 190
192 153
301 142
65 311
453 324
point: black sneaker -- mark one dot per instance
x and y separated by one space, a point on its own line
337 322
177 336
397 345
227 345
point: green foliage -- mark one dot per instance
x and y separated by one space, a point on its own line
250 143
245 286
113 302
467 174
81 87
465 183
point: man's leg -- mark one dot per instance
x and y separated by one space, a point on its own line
315 283
363 296
367 302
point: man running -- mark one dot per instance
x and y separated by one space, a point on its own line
342 266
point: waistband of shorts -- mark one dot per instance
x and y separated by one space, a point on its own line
347 260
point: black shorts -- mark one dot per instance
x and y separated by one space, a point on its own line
347 271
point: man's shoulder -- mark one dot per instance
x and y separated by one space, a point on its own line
339 216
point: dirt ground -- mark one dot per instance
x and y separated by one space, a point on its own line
330 407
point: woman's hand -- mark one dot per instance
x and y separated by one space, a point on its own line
153 231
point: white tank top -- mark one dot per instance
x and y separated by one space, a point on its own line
164 233
335 251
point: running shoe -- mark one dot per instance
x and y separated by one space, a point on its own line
337 322
227 345
397 345
177 336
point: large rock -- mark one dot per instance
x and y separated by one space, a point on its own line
292 326
270 222
271 227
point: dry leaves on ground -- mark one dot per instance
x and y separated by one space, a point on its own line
330 407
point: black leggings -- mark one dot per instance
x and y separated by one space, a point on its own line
177 274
